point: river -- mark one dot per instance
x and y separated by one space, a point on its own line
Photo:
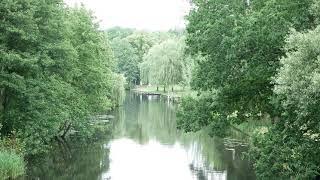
145 145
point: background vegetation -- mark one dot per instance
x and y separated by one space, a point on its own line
151 58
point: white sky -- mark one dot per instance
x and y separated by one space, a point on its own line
140 14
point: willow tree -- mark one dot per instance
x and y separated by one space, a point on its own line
163 64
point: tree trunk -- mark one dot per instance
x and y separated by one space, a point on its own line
7 125
1 100
157 88
172 88
164 88
66 131
1 107
64 146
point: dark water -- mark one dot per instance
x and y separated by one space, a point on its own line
145 145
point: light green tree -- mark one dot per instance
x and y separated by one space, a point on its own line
163 64
291 148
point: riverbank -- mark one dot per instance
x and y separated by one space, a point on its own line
175 95
248 128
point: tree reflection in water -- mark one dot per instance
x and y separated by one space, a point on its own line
83 162
146 119
145 144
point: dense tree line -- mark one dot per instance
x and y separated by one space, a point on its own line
56 71
155 58
255 67
129 47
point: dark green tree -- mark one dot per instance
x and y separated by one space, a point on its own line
127 60
242 46
55 70
290 149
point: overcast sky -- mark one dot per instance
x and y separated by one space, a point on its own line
139 14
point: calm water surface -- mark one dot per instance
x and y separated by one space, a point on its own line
145 145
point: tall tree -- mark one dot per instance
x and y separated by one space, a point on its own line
290 149
141 42
163 65
55 70
129 47
127 60
242 47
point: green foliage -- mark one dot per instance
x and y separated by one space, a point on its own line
188 66
130 48
56 71
118 89
202 111
163 65
166 64
291 148
242 45
118 33
11 165
127 60
141 42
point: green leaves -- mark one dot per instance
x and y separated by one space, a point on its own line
297 92
164 63
242 48
55 71
291 146
196 113
131 48
259 71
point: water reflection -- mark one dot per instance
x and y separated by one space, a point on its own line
145 145
130 160
80 162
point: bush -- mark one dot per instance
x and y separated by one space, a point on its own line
203 111
12 152
11 165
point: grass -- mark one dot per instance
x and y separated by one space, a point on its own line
11 165
178 91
